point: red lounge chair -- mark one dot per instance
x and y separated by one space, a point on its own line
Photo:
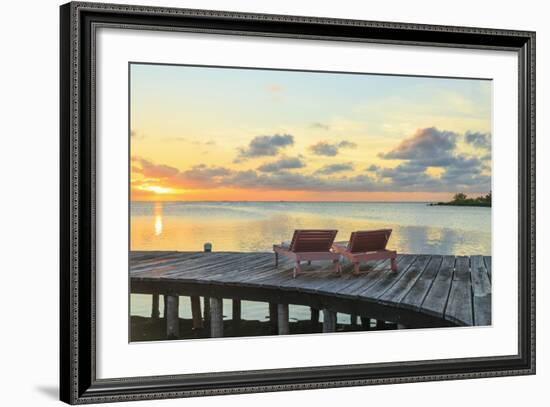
365 246
309 245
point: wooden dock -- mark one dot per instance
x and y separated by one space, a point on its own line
426 290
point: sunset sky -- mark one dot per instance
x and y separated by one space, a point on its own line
201 133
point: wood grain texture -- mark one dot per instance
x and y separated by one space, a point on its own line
454 289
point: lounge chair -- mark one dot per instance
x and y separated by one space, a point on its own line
365 246
309 245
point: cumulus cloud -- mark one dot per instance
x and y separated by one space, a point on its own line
431 147
282 164
479 140
373 167
151 170
330 149
335 168
261 146
425 145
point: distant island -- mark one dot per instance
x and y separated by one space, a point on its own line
461 199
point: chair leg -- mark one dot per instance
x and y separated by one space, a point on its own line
336 266
393 264
296 269
276 260
356 268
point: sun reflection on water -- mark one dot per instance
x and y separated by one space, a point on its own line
158 218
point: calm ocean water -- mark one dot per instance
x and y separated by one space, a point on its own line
256 226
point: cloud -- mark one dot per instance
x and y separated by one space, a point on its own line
479 140
261 146
373 167
431 147
151 170
330 149
282 164
335 168
319 125
425 145
347 144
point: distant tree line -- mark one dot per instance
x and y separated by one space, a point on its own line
461 199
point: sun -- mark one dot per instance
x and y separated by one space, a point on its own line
157 189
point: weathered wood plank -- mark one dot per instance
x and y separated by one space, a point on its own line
402 286
481 290
420 288
459 306
423 283
487 260
387 278
438 294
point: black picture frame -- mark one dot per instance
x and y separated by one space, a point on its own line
78 382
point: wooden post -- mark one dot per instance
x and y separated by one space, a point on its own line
282 316
206 309
365 323
172 316
329 321
353 320
216 317
314 316
196 312
155 310
236 315
380 324
273 317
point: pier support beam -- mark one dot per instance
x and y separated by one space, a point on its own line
165 299
155 309
380 324
196 312
236 315
401 326
282 316
216 317
206 309
365 323
273 320
172 316
329 321
314 316
353 320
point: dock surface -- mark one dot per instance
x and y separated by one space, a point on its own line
426 290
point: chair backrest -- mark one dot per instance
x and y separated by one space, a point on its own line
308 240
368 240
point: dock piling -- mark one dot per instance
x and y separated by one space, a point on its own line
282 316
236 315
172 316
155 310
329 321
216 317
196 312
273 319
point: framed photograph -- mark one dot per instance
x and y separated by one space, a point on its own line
255 203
